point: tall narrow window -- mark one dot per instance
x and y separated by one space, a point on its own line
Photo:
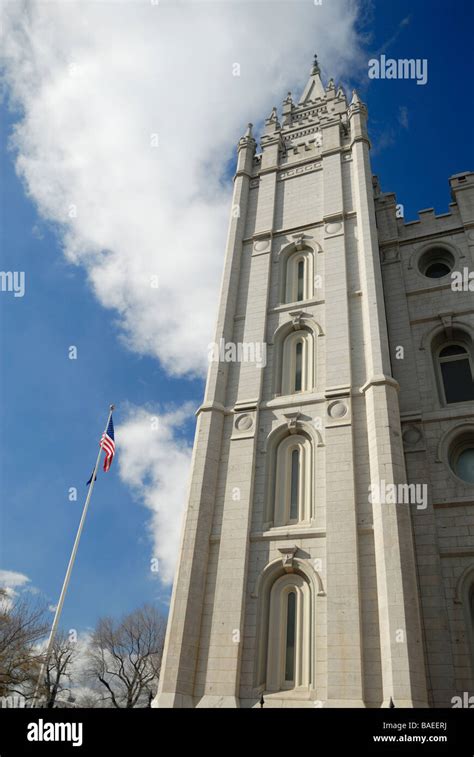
289 498
297 276
471 606
290 638
456 373
299 367
295 364
295 473
300 289
286 634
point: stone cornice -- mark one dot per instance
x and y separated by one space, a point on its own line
242 173
207 407
367 141
380 380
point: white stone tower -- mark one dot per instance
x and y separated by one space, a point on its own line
292 583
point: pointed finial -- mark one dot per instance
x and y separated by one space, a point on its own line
288 99
262 701
331 84
391 705
355 98
315 69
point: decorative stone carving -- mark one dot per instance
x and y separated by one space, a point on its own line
287 554
391 255
333 228
447 321
299 241
337 409
299 169
243 422
292 421
296 318
412 435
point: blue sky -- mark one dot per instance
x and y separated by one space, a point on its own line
52 409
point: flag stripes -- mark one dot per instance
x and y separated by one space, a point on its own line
107 443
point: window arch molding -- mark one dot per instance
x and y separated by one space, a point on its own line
300 323
464 596
429 336
282 434
440 342
300 250
451 330
266 581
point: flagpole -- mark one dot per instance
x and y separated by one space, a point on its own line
59 607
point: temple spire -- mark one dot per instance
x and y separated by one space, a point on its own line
314 88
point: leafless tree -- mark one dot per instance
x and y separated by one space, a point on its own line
125 656
58 670
22 626
91 699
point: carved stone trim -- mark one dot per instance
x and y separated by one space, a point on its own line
287 555
296 319
447 321
292 421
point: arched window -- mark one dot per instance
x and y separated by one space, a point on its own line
287 631
456 372
464 595
291 484
298 277
297 363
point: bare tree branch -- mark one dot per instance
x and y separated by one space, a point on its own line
125 656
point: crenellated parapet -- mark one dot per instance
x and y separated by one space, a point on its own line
392 228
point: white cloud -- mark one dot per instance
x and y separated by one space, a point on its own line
11 579
96 81
154 462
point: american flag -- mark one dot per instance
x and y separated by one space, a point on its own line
108 445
